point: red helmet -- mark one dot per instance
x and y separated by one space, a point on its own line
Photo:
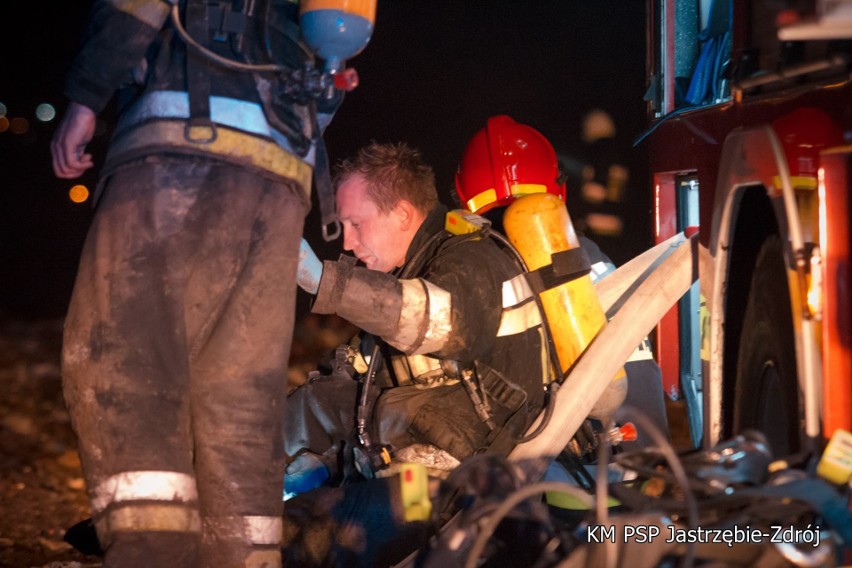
503 161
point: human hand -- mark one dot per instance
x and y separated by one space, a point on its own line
310 268
69 142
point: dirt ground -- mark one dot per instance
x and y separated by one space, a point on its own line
41 485
42 492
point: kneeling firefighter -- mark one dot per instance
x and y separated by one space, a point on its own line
441 381
509 173
173 385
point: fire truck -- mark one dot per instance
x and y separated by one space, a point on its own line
748 284
750 144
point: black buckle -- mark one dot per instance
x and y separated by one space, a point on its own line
200 130
331 236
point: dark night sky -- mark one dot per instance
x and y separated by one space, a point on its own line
431 76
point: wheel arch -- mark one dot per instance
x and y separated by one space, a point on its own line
754 199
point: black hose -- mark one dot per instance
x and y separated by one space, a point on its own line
361 415
548 414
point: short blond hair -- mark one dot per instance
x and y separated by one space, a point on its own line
393 172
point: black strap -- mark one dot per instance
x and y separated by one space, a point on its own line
513 398
565 266
322 183
199 128
503 439
223 21
500 388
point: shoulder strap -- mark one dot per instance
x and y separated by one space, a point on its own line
199 128
322 183
565 266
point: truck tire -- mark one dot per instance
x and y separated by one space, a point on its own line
767 392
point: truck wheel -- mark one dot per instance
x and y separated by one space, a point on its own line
767 392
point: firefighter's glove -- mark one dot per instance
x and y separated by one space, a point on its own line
310 268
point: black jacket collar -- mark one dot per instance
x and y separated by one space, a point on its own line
427 235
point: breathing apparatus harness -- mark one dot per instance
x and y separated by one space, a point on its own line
277 84
369 457
478 380
566 266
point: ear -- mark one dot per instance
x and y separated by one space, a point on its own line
406 214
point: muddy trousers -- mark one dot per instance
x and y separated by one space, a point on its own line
174 362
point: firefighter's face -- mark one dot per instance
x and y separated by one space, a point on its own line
379 240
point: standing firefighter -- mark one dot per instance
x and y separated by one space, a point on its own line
175 391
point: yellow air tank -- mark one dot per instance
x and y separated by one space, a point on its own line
538 226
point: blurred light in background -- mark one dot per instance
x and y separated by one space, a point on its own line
20 125
79 193
2 109
45 112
